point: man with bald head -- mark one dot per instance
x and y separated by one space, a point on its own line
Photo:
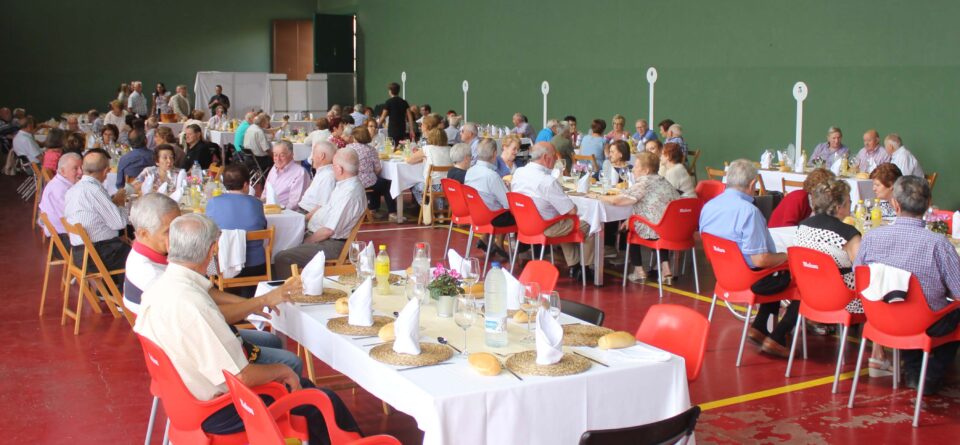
536 181
52 201
89 205
330 225
321 158
872 154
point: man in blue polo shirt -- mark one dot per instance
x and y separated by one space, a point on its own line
242 130
548 132
732 216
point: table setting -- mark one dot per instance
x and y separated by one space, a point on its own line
440 370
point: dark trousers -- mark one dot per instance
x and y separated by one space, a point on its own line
265 163
227 420
65 239
504 219
249 271
381 189
113 252
781 328
940 358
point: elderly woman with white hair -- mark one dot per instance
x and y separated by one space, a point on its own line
831 150
675 135
461 159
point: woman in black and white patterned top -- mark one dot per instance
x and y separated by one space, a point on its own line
826 232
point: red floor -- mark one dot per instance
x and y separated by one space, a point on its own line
92 388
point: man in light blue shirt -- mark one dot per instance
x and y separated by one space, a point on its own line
548 132
484 178
732 216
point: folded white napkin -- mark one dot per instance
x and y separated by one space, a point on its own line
177 194
232 252
312 274
766 159
549 339
163 188
454 260
181 181
514 291
640 352
367 259
835 167
887 283
583 184
406 329
147 184
270 194
361 305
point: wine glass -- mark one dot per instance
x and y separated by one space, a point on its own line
356 250
552 303
531 300
470 272
464 315
562 165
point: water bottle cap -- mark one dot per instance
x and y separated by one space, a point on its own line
495 264
420 246
383 247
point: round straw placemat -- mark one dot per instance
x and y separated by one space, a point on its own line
340 325
329 295
583 334
526 363
430 354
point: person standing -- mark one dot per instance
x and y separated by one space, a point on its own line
136 103
179 104
219 99
400 122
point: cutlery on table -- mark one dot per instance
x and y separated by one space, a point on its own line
444 341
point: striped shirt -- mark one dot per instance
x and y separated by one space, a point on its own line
89 205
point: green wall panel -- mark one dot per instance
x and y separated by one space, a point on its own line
725 68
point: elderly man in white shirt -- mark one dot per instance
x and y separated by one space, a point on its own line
901 157
330 226
536 181
137 103
468 135
484 178
318 193
24 144
255 139
179 316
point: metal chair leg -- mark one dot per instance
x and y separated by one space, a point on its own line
166 433
660 281
583 267
793 345
920 385
856 374
153 416
696 273
896 368
449 233
626 265
466 253
713 304
803 332
743 336
487 257
513 259
836 374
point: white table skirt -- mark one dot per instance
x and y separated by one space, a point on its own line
859 188
288 230
783 237
401 175
222 138
595 212
454 404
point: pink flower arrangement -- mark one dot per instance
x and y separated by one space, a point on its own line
445 282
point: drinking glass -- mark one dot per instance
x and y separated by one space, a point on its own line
551 302
356 249
531 300
464 315
470 272
562 165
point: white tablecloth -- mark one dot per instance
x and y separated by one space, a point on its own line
783 237
301 151
859 188
288 230
401 175
595 212
221 138
454 404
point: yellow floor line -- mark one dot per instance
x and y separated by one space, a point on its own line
828 380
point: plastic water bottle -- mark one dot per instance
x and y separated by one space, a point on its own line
495 307
382 270
421 264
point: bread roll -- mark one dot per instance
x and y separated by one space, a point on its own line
342 305
484 363
863 175
520 317
616 340
386 332
476 290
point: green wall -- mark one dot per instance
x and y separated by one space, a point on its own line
72 56
726 68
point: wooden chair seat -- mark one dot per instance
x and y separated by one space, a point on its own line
56 245
98 274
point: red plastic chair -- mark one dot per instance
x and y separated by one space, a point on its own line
900 325
709 189
459 213
260 421
185 413
481 218
679 330
541 272
675 231
734 279
530 228
823 298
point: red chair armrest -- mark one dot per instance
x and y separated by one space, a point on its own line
272 389
644 221
318 399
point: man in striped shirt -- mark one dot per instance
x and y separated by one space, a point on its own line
102 216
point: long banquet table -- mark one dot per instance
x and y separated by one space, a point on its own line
859 188
454 404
